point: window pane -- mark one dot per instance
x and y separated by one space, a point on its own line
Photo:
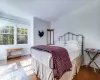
6 35
22 36
22 39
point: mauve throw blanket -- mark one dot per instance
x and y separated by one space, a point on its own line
61 60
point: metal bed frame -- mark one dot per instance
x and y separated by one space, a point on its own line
71 36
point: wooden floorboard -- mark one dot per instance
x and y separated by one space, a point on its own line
16 69
85 73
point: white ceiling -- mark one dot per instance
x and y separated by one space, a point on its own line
45 9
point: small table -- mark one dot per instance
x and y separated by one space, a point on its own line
96 53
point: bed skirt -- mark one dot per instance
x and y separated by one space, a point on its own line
46 73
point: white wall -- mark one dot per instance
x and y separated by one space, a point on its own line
42 26
84 21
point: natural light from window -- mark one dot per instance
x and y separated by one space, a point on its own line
7 72
26 64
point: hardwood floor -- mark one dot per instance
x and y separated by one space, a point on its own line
87 73
16 69
20 69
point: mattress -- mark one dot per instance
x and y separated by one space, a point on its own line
46 58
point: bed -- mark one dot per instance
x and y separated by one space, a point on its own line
42 62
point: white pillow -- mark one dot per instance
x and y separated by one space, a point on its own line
72 47
72 42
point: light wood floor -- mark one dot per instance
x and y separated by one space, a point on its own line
20 69
16 69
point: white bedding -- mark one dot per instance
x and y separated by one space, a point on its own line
45 57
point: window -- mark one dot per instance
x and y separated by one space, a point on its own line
22 36
6 35
12 33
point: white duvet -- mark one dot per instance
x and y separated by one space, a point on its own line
45 57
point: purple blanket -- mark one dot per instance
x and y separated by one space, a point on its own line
61 60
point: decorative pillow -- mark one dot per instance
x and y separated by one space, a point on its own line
74 42
71 47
